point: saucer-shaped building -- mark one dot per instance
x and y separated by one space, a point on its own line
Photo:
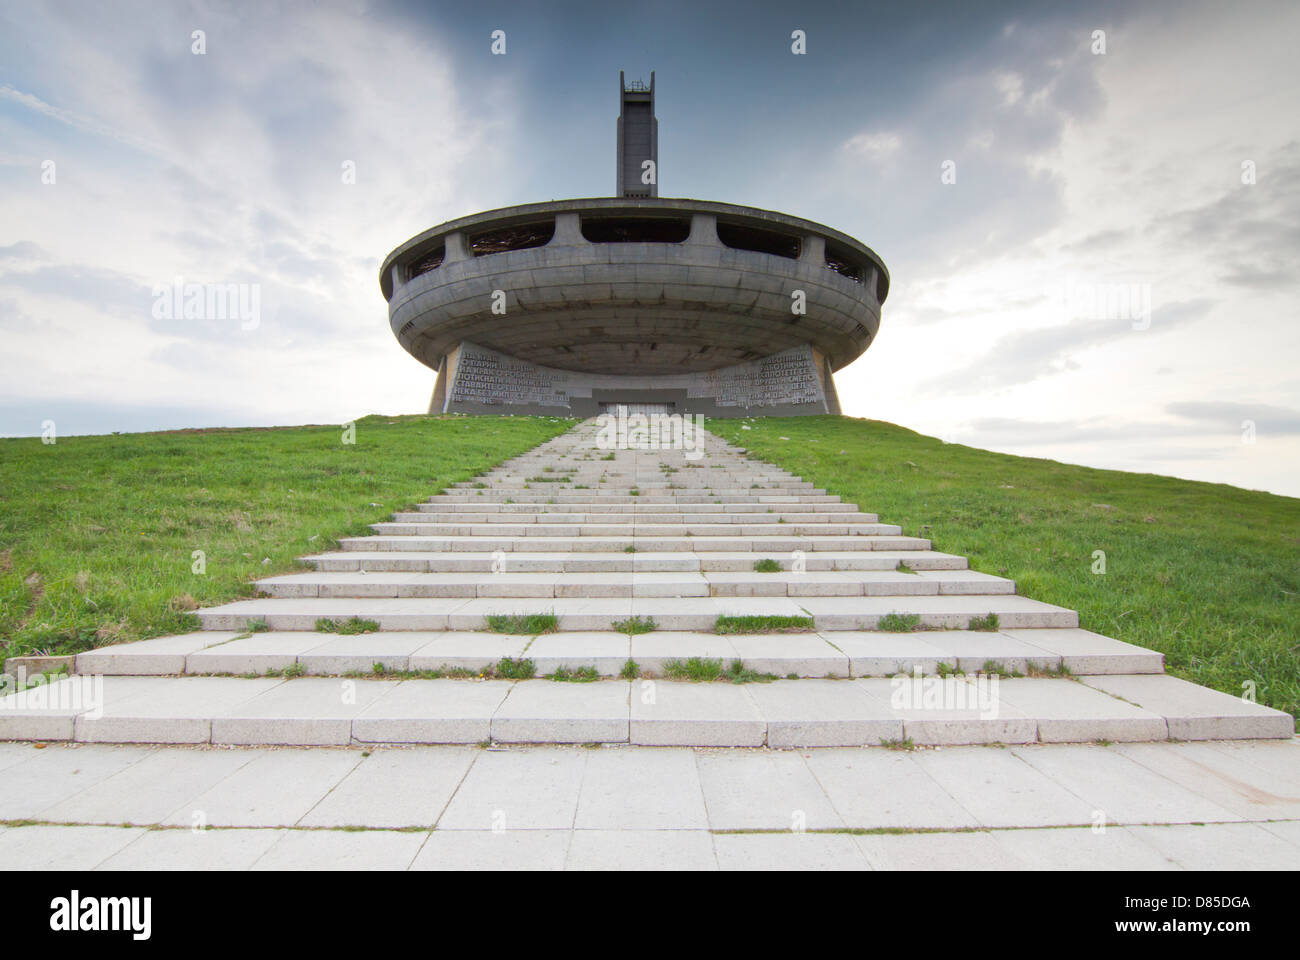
578 307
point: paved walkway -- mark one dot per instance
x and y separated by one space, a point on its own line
1164 806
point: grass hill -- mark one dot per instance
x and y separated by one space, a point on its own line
97 534
1206 573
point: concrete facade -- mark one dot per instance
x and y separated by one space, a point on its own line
560 307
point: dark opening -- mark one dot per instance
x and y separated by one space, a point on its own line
635 229
430 261
760 241
843 262
520 237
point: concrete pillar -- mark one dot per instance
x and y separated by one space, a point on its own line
568 231
869 280
812 250
455 248
704 229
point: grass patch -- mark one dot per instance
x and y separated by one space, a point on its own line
347 627
631 670
726 624
987 623
899 623
904 568
708 670
527 623
574 675
508 668
98 534
1204 573
634 625
767 565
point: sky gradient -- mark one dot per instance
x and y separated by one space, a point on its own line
1080 176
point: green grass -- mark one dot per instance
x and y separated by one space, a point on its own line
631 670
707 670
508 668
767 565
988 622
1205 573
352 625
633 625
899 622
527 623
97 533
574 675
726 624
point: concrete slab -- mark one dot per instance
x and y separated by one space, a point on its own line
274 789
874 653
57 772
491 798
479 850
823 713
1001 652
360 652
652 651
953 710
468 650
667 713
783 654
341 850
613 795
1119 789
432 711
396 788
1069 712
166 709
161 655
1258 792
788 851
762 790
40 847
641 850
605 650
876 788
544 711
254 654
1195 712
1085 653
188 850
312 711
976 850
1221 846
1001 790
147 791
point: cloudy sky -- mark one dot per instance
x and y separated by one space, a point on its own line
1110 278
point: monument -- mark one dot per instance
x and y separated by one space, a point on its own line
656 305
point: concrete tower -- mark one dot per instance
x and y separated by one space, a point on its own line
638 138
575 307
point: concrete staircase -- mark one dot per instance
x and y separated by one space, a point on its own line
607 540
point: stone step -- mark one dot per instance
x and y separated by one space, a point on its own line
783 714
599 496
669 613
564 517
883 583
589 508
826 654
521 561
763 545
749 528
